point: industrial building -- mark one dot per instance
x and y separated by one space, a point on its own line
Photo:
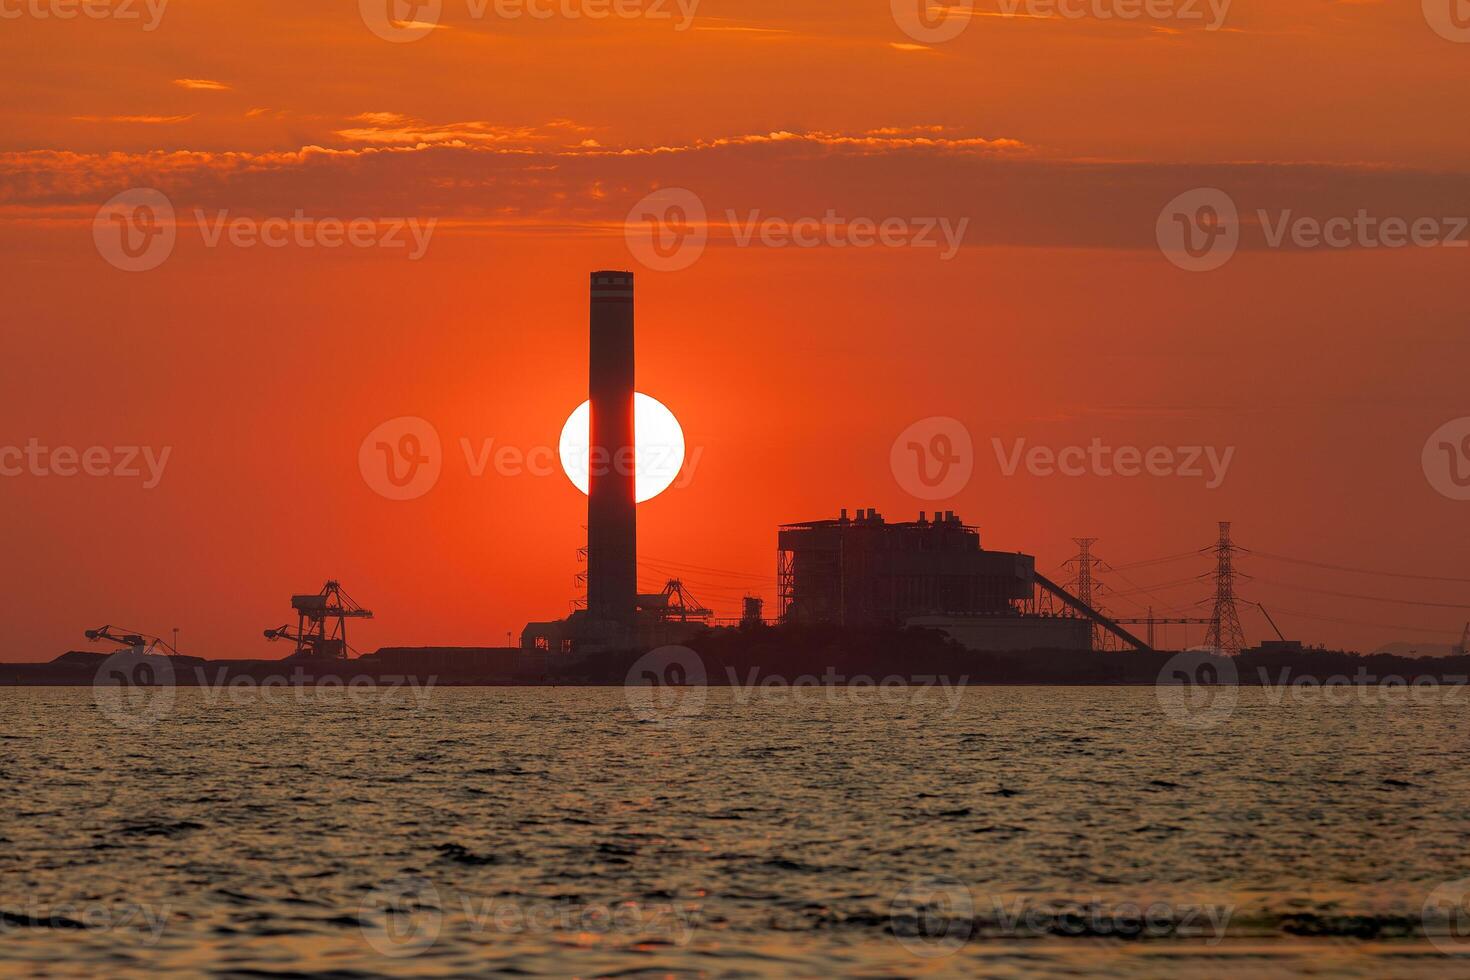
854 571
861 571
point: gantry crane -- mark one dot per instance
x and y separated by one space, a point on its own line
321 623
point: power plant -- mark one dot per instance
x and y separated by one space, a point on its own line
851 573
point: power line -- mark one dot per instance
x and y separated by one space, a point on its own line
1161 561
1359 622
728 573
1359 571
1366 598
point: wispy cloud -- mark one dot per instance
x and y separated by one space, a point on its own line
147 120
202 84
392 128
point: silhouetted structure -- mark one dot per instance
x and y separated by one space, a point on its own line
145 643
863 571
612 528
1225 633
752 611
321 623
1081 583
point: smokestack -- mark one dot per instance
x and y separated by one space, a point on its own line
612 529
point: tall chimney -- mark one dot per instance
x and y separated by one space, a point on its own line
612 528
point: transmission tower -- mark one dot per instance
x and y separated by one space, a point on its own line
1082 583
1225 633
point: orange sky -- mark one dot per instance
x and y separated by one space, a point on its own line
792 369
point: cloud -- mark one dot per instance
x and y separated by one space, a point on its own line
146 120
202 84
393 128
524 180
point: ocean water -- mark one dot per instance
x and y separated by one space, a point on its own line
730 832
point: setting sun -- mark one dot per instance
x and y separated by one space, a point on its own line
659 454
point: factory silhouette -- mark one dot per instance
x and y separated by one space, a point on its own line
853 591
855 571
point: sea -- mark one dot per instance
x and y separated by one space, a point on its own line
745 831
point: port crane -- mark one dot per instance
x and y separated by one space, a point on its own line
675 604
145 642
321 623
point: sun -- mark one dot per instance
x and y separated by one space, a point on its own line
659 453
